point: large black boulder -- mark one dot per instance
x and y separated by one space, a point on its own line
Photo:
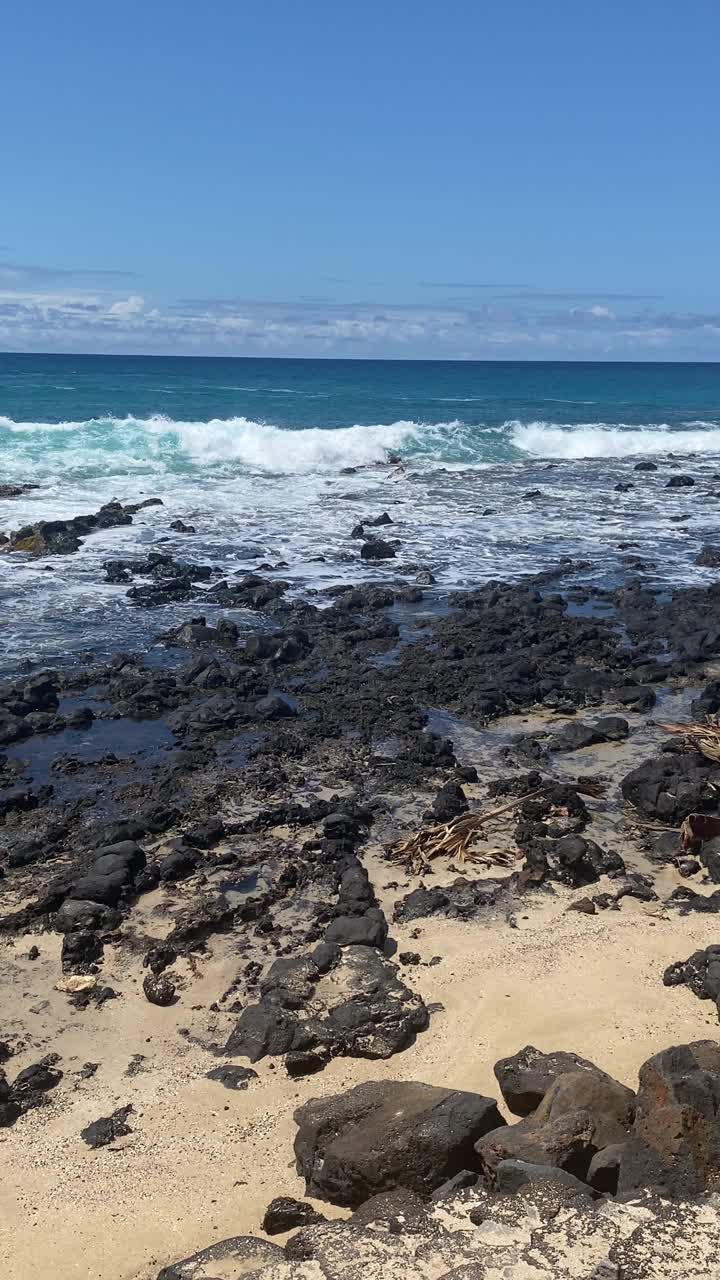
670 787
386 1134
674 1147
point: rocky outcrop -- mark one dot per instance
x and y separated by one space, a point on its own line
544 1230
62 537
581 1113
341 1001
671 787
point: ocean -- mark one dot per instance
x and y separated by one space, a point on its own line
256 455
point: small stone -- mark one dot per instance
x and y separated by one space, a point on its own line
585 905
76 982
284 1213
107 1129
233 1077
159 989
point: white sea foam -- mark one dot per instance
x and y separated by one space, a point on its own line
281 452
106 447
101 443
599 440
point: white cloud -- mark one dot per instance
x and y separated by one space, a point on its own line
90 320
132 306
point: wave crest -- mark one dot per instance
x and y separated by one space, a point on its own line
601 440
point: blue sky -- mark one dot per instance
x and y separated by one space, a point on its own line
449 178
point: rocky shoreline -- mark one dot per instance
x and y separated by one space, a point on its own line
289 850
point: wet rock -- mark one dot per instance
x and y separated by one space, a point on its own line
525 1078
12 728
382 1135
159 989
576 735
284 1214
377 550
232 1077
708 557
675 1142
179 526
680 482
16 490
708 704
645 466
62 537
275 707
107 1129
671 787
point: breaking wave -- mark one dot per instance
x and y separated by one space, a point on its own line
601 440
116 446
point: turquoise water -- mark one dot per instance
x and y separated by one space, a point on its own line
185 413
274 461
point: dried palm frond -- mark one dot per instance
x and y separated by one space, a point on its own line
454 840
704 738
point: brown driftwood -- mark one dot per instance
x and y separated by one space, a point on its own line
455 840
704 738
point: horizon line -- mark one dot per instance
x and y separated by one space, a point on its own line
168 355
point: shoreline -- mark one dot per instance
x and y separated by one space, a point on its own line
263 778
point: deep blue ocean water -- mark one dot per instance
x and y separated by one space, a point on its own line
255 454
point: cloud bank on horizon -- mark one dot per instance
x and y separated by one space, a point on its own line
74 316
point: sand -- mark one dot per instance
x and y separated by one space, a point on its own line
202 1161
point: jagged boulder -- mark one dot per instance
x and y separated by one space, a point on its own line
581 1113
671 787
675 1142
525 1077
386 1134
